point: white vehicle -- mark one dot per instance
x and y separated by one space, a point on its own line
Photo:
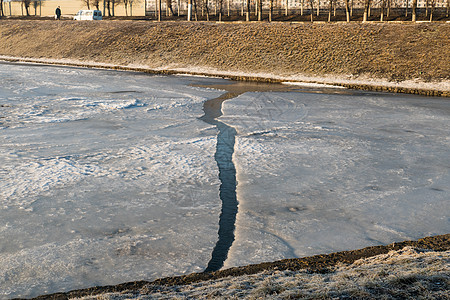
88 15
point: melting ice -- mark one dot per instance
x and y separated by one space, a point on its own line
107 177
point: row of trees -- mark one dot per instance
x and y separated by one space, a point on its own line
312 7
25 5
108 6
247 7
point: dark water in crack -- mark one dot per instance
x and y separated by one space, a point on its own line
227 176
227 171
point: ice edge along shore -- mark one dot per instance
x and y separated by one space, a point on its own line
417 87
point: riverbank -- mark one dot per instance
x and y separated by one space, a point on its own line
407 58
396 271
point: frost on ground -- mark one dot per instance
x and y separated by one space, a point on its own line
409 273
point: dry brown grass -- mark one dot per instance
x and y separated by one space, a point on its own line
392 51
409 273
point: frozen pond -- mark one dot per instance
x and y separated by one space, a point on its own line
107 176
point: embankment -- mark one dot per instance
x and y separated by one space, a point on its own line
410 58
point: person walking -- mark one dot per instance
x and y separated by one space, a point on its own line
58 13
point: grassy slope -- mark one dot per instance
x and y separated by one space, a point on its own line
391 51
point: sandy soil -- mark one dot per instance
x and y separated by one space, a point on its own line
412 58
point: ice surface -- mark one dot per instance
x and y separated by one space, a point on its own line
319 173
107 176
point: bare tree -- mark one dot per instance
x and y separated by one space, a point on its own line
207 10
35 6
247 17
158 9
388 10
448 7
195 10
318 7
347 10
366 10
383 4
26 4
125 5
433 5
414 7
259 9
87 3
96 3
220 10
2 14
169 9
311 2
110 6
330 8
270 10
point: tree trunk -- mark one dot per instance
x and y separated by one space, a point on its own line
301 8
286 12
207 10
169 9
448 7
195 10
433 5
427 5
270 10
414 6
347 11
312 10
406 10
366 10
388 13
260 10
1 8
247 14
126 8
318 7
330 8
382 10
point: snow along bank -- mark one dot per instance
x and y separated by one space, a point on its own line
415 86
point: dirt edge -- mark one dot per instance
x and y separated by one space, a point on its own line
315 264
